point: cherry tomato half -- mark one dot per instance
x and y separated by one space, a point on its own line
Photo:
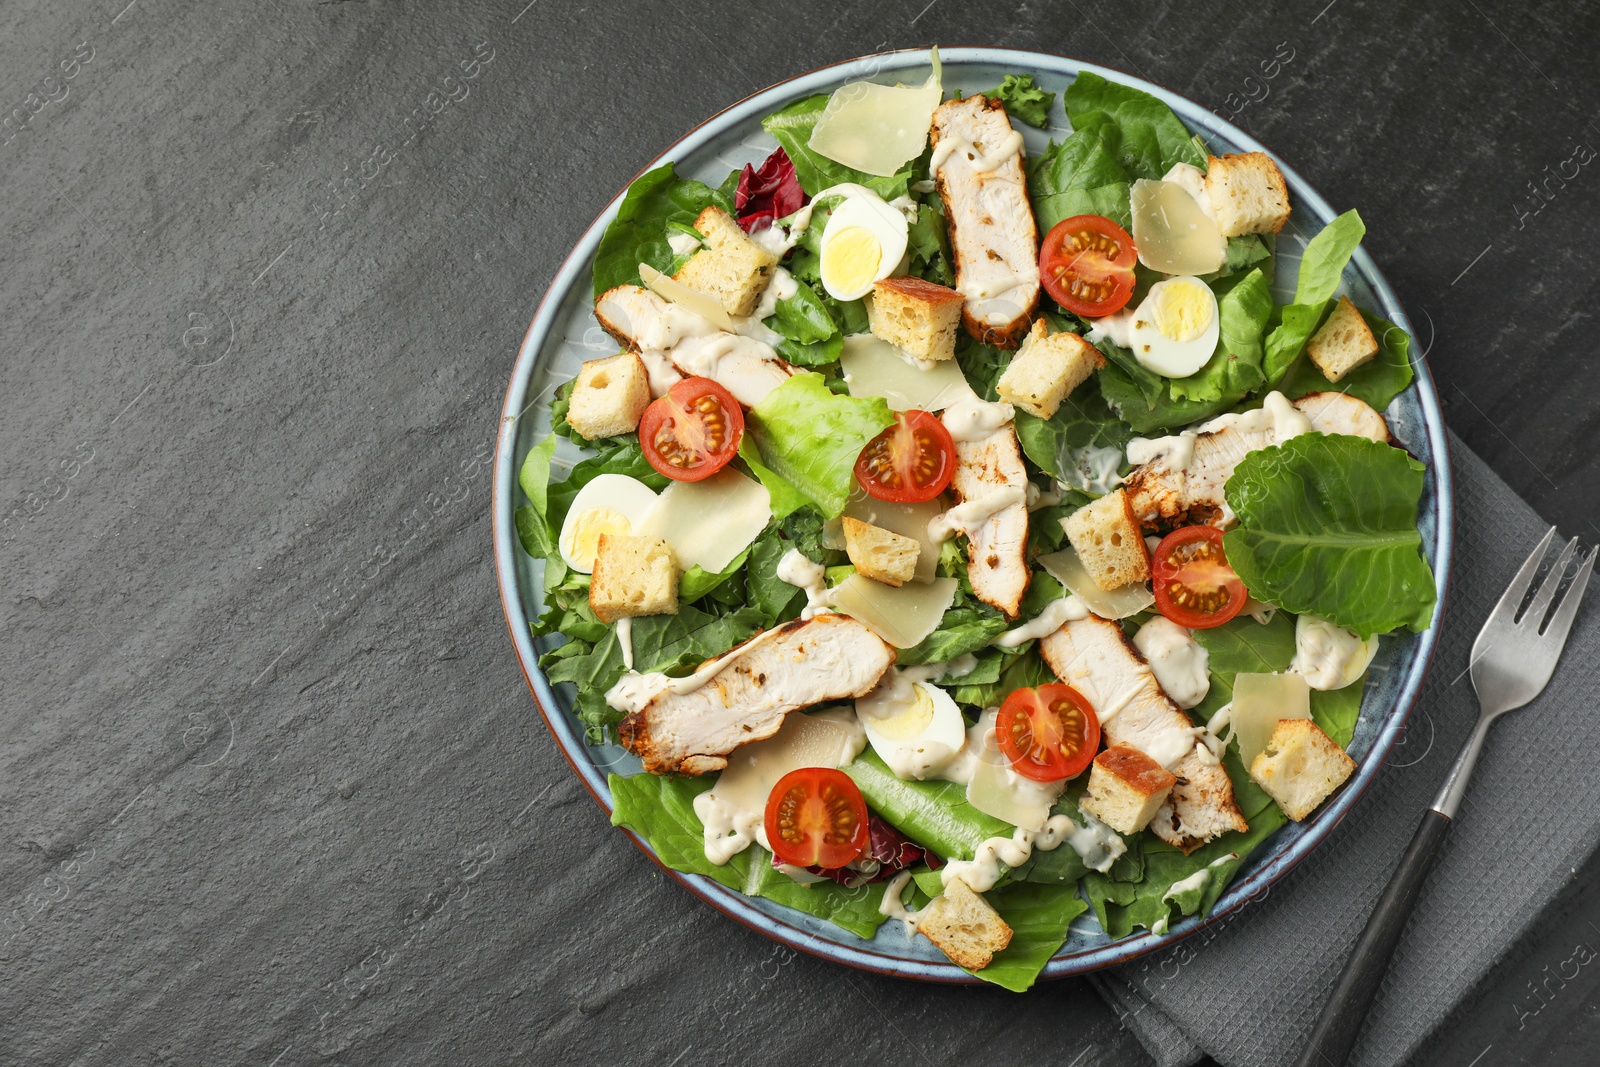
693 431
1193 584
1048 733
910 462
816 817
1086 264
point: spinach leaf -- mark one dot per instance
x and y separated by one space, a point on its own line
1140 130
639 232
1024 101
928 240
1079 176
1328 526
661 810
792 127
811 437
1058 445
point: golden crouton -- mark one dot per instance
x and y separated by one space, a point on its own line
880 554
633 576
1343 343
609 396
1047 368
920 317
732 268
1300 767
1247 193
1125 789
1109 542
964 926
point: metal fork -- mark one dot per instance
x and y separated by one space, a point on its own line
1512 661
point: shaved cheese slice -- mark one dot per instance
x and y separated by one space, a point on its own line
694 300
1065 567
877 128
1259 701
907 520
901 616
874 367
733 810
709 522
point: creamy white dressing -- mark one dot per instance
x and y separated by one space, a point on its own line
1116 327
892 905
1195 881
981 162
1055 615
1093 469
1193 181
1098 845
625 639
799 570
1178 661
1327 655
965 518
1175 452
1276 416
682 243
662 374
781 287
973 419
633 691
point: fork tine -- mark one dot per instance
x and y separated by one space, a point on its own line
1505 611
1547 589
1561 621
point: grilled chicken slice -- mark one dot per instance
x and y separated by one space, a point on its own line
1096 658
978 171
801 663
676 343
997 560
1343 413
1182 480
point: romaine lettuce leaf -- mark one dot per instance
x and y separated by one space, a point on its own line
1039 916
639 232
1024 101
1322 264
934 814
792 127
962 629
1328 526
661 810
1377 381
811 436
1079 176
1139 129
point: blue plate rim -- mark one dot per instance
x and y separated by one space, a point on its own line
1258 879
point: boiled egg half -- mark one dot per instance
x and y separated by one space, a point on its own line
915 728
863 242
1174 330
610 504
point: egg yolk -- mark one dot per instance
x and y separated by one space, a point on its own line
908 720
851 258
1182 310
584 542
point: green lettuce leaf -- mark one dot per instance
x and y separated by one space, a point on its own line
1140 130
810 336
1322 264
1079 176
1024 101
785 497
1039 916
792 127
1328 526
639 232
961 630
1377 381
929 243
811 436
1057 445
934 814
661 810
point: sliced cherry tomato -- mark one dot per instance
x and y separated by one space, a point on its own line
1193 583
1048 733
816 817
1086 263
910 462
693 431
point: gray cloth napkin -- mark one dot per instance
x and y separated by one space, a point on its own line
1247 993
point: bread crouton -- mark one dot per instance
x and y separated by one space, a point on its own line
1126 787
919 317
633 576
1046 369
964 926
732 268
879 554
609 396
1300 767
1247 194
1343 343
1108 541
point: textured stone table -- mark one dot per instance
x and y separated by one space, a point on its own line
272 790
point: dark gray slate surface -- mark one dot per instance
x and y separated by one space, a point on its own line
272 790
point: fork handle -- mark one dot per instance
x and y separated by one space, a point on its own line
1335 1032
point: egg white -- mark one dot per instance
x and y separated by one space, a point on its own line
626 497
888 231
910 747
1170 357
